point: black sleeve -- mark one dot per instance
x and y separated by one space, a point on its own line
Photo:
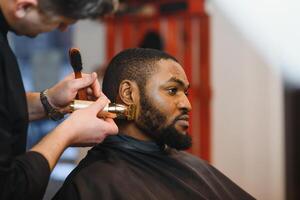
24 176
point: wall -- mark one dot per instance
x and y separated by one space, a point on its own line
90 38
247 129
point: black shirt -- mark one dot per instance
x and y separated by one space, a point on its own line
124 168
22 175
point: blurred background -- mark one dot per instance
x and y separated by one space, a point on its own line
241 58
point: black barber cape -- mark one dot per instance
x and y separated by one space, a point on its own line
22 175
125 168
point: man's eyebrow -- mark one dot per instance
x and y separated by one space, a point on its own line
179 81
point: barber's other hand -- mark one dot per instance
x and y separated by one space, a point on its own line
84 128
61 94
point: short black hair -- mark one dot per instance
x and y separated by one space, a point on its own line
136 64
77 9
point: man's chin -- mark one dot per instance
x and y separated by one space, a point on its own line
179 140
182 133
182 130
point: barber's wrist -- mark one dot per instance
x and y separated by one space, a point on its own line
61 130
73 136
50 98
51 111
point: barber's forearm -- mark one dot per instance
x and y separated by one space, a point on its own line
53 145
81 128
35 107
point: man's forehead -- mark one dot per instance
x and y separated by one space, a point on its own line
171 71
179 81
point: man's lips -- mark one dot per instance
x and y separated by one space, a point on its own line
183 117
183 121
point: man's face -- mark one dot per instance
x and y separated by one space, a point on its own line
164 106
36 22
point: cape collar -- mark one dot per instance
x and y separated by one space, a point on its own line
131 143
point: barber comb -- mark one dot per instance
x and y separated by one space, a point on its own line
112 110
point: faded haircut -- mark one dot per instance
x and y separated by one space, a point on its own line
137 64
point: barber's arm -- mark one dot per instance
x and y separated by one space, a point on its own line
61 94
26 176
81 128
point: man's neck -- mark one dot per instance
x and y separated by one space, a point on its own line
133 131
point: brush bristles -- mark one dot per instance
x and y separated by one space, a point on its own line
75 59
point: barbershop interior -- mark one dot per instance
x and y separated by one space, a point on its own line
242 62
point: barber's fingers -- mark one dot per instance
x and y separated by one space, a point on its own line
70 76
90 95
98 105
87 80
96 86
112 128
83 82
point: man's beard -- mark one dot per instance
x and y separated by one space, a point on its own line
150 121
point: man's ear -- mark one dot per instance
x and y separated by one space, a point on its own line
128 92
23 6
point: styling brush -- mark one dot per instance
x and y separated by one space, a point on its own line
76 63
111 110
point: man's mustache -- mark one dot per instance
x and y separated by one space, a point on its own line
183 116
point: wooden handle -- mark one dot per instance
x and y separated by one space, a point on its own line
82 93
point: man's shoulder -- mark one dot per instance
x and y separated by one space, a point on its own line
96 165
196 163
93 175
189 158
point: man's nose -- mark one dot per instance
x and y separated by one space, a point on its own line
184 103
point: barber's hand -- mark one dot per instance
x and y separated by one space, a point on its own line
61 94
84 128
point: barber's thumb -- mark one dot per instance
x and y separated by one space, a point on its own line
98 105
86 81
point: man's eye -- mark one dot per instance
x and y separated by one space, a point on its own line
172 91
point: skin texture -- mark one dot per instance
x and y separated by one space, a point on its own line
167 91
82 128
61 94
163 105
25 18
